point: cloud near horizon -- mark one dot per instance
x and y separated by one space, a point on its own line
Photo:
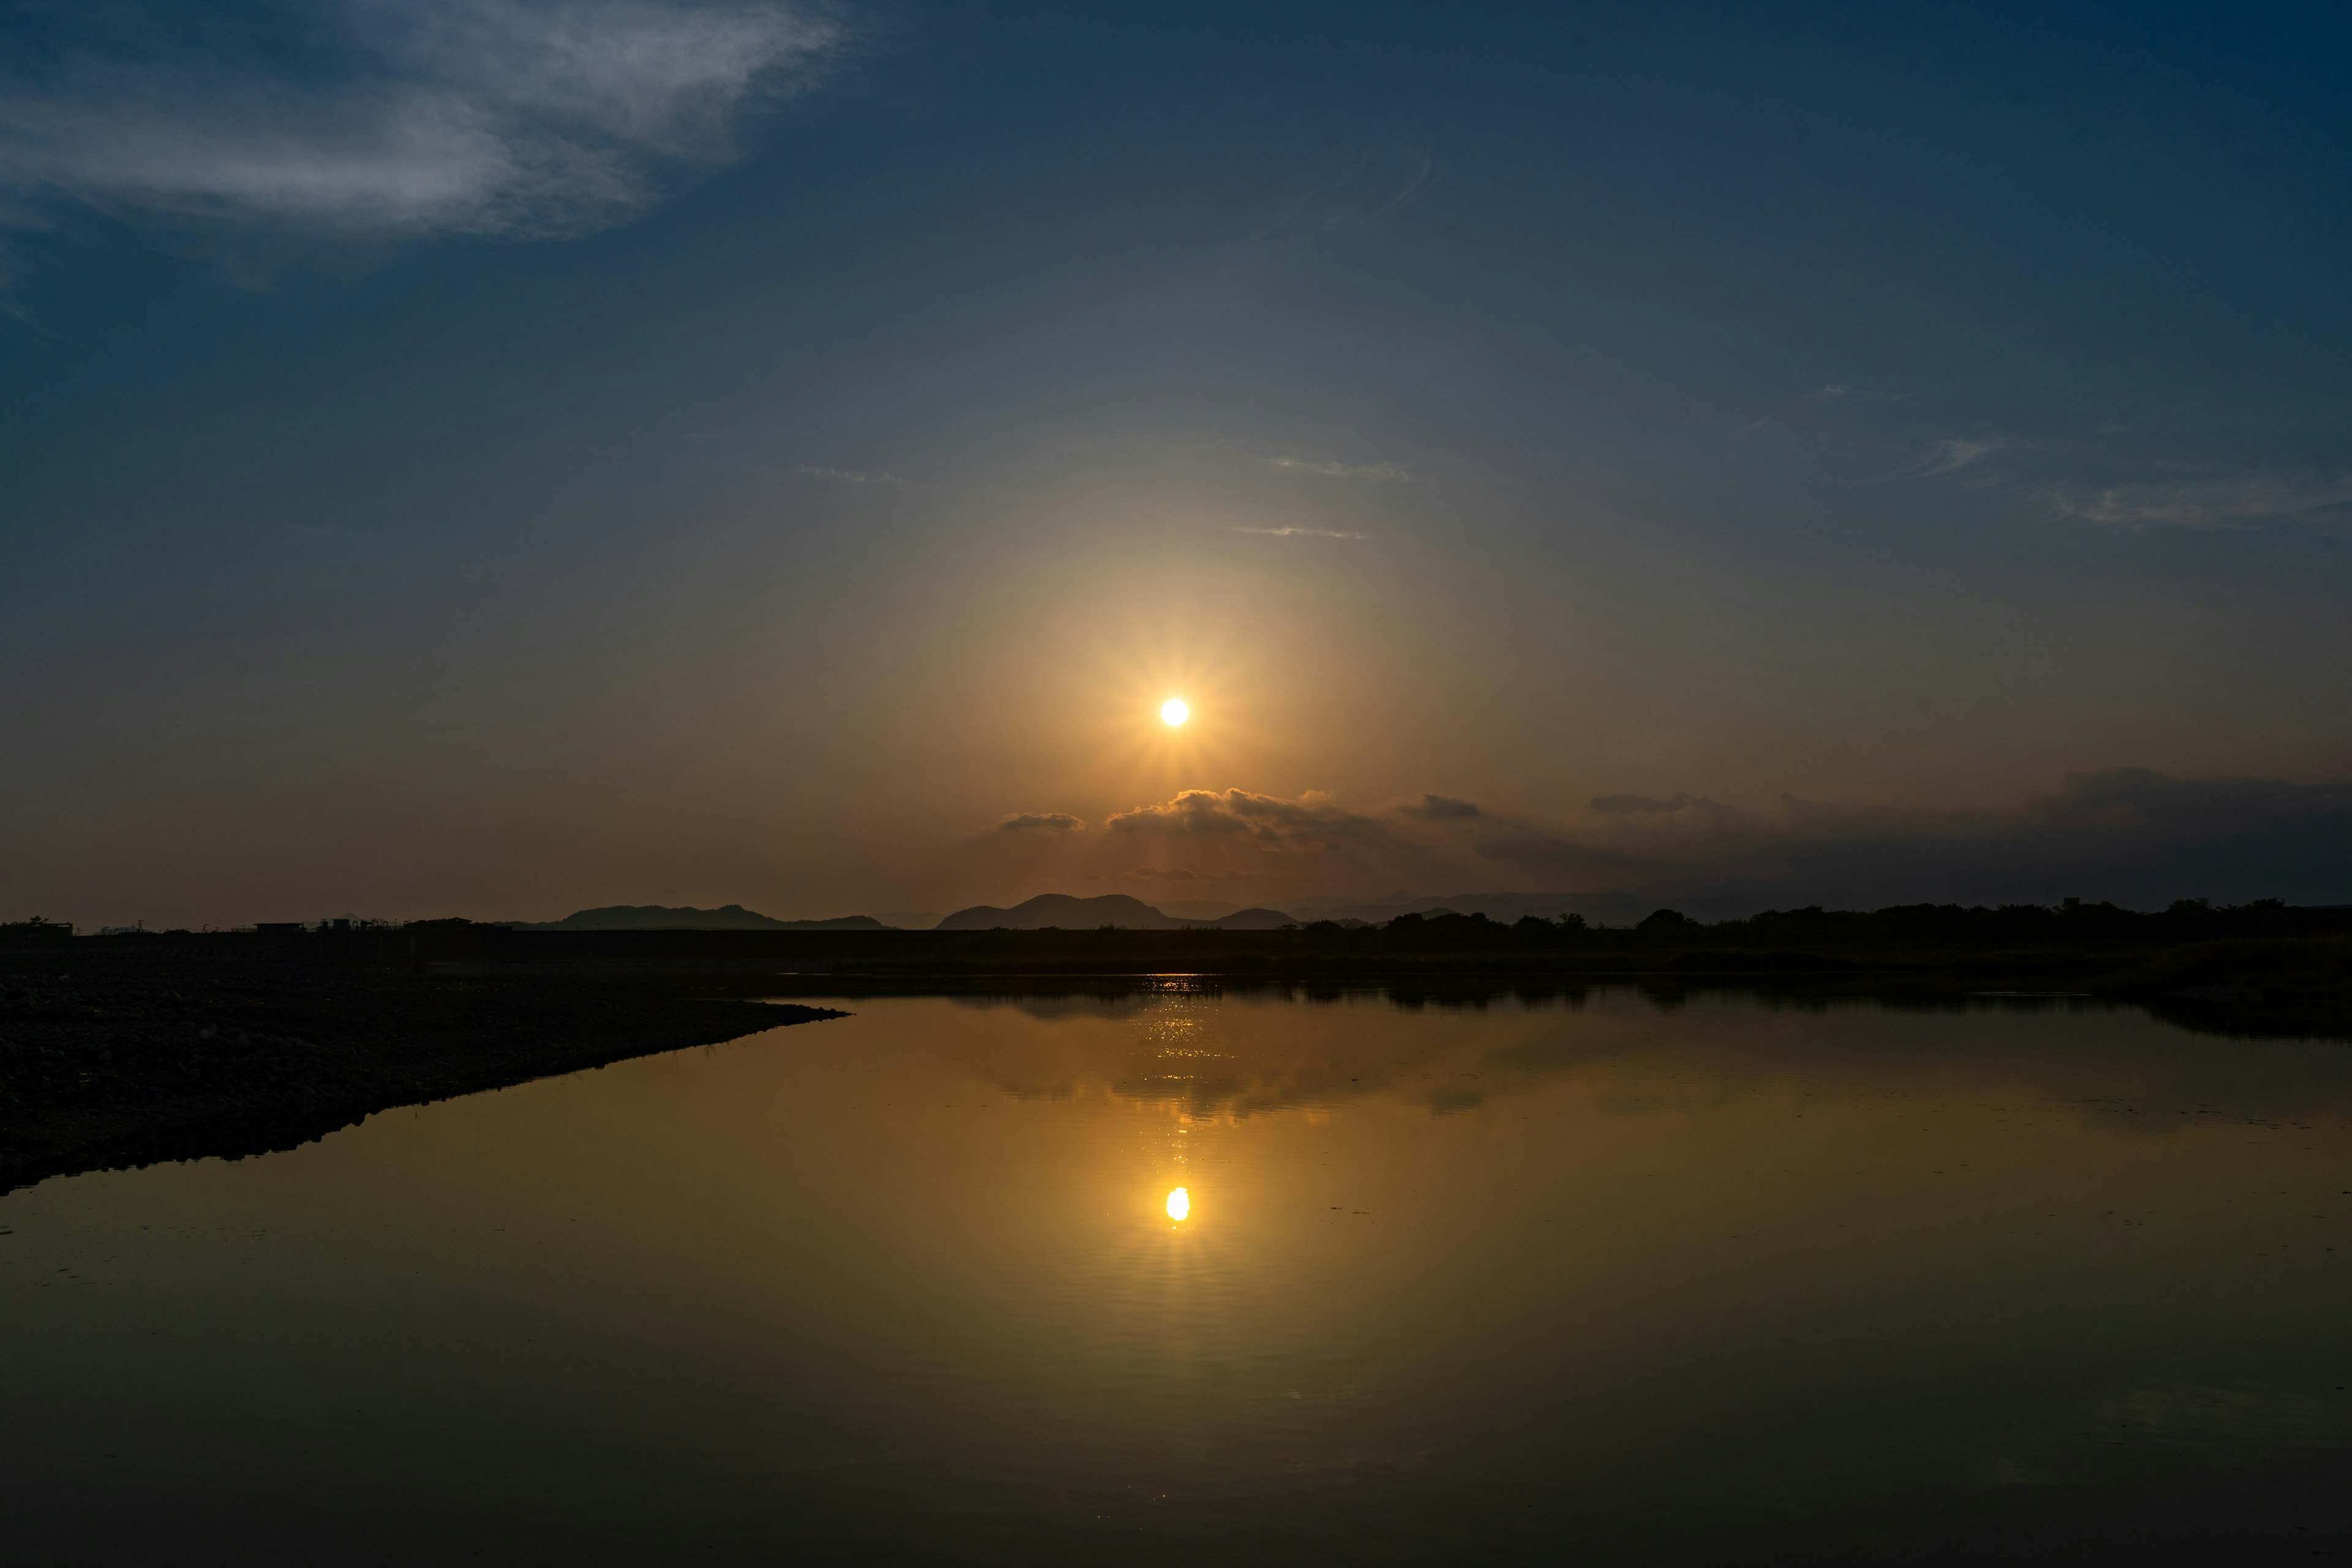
509 119
1310 822
1442 808
2130 835
2127 834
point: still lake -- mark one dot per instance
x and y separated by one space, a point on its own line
1548 1279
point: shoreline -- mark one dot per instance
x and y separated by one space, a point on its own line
115 1061
118 1052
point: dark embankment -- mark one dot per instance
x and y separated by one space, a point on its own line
2189 949
2254 967
120 1053
2263 968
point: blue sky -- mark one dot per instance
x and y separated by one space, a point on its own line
502 457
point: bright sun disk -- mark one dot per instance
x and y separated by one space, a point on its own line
1173 711
1180 1203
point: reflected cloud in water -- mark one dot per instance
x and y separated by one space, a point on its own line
1203 1054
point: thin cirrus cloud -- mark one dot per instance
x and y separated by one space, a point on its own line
1178 874
2251 502
1379 473
509 119
1949 457
2185 498
847 476
1298 533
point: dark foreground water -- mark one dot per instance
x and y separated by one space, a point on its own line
1531 1282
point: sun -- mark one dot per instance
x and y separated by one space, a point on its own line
1173 713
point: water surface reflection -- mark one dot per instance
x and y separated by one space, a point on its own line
1154 1277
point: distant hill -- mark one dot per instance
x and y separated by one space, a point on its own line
1621 905
657 916
1251 920
1067 912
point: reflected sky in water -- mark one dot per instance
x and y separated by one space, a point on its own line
1157 1277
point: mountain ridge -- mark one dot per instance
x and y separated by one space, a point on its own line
1067 911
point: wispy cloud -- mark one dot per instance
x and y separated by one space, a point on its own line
1801 409
1955 453
1692 807
2115 486
847 476
1357 200
1178 874
1041 822
1379 473
2247 501
1299 533
513 119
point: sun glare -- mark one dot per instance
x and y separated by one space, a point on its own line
1180 1203
1173 713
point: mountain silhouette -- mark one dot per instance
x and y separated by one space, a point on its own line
1067 912
658 916
1249 919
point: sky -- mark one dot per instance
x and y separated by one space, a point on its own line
486 458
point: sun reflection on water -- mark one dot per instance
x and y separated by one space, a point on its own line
1180 1203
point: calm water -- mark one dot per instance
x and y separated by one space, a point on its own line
1527 1283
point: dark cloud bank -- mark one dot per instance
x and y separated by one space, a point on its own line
1312 820
2128 834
